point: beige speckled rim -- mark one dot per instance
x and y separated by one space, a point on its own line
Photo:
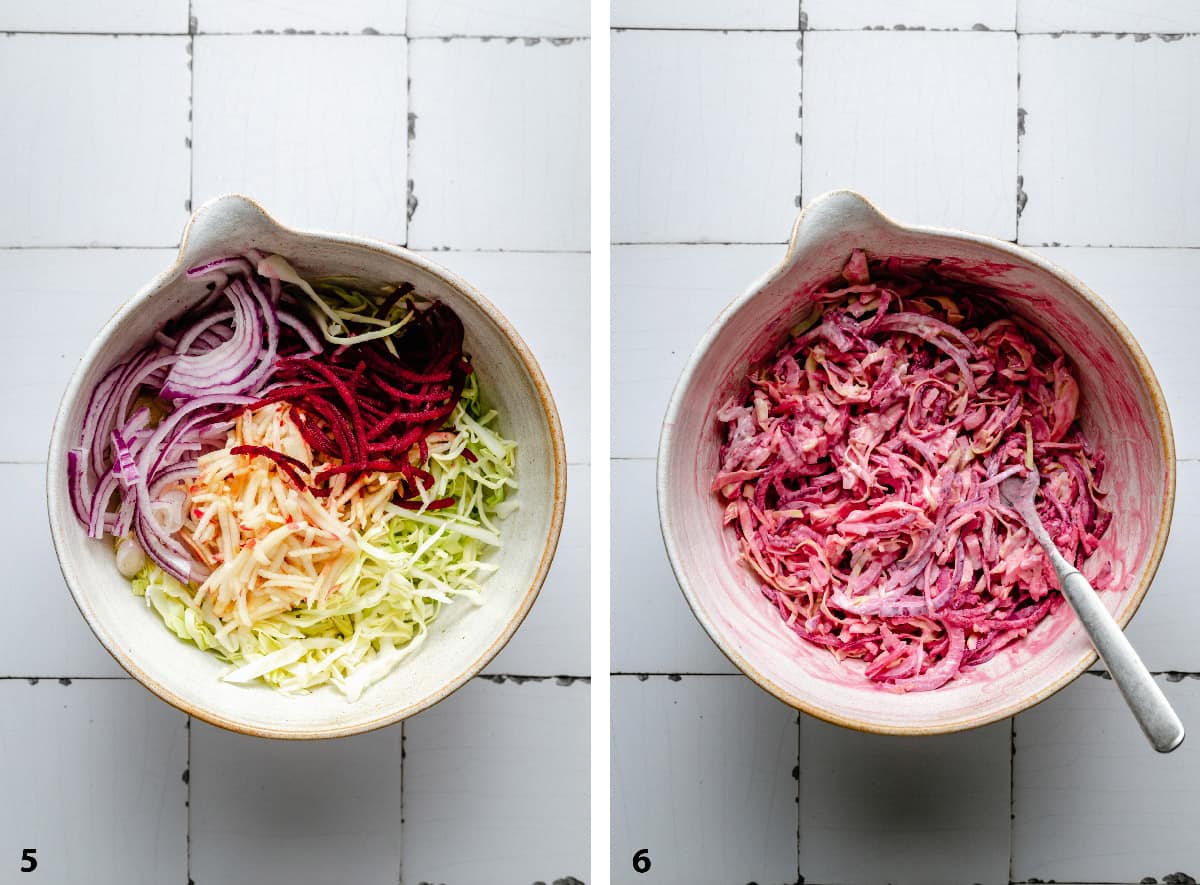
667 443
55 484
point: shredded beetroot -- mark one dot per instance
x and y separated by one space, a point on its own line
368 407
292 467
860 471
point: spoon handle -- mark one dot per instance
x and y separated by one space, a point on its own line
1143 695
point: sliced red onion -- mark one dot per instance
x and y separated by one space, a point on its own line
184 345
77 485
177 473
125 467
301 328
96 519
227 265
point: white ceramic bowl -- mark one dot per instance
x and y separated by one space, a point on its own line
463 638
1122 409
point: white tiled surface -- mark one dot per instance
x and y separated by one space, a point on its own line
702 779
957 166
663 298
555 638
1147 16
908 811
781 15
545 294
466 760
352 16
328 154
705 129
98 150
63 297
1153 291
500 157
653 628
52 637
1108 144
951 15
96 16
280 812
95 160
93 780
1092 802
485 18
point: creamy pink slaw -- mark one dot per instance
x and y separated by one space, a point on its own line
860 466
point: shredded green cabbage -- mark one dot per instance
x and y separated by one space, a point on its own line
408 567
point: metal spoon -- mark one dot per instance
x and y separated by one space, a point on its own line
1150 707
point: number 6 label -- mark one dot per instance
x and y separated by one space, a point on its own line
641 861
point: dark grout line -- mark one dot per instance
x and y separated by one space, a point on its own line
191 201
563 680
34 680
799 809
411 203
674 676
430 250
643 30
188 803
1022 195
97 247
526 39
1166 36
677 675
94 33
1012 789
400 871
1051 245
1057 245
800 122
554 40
438 250
699 243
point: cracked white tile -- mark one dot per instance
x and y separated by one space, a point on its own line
99 159
281 812
94 784
702 780
705 128
508 764
923 124
500 157
1092 801
772 15
353 16
314 128
1108 143
500 18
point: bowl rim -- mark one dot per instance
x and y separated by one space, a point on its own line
56 485
667 442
